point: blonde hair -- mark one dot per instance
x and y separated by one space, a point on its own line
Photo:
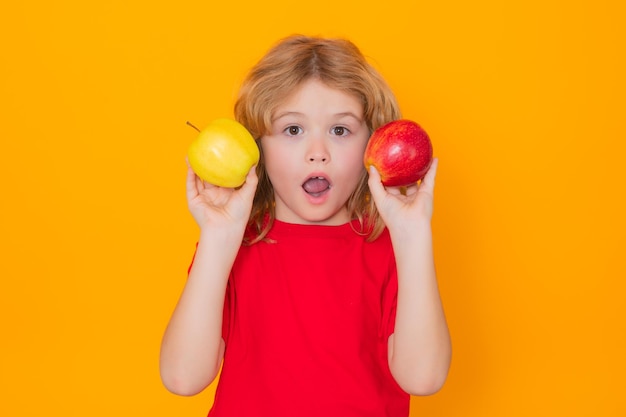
339 64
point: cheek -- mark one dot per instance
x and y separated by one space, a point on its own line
276 159
357 155
353 166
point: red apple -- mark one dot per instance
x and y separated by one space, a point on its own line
401 151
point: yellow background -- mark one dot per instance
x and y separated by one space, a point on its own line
524 101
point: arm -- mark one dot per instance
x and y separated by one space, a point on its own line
192 347
420 348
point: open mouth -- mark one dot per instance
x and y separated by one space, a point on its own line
316 186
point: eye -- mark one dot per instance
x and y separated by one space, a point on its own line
293 130
340 131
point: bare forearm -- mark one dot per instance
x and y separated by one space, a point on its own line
192 347
420 348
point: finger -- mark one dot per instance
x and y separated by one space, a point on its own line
377 189
432 171
201 185
191 185
428 183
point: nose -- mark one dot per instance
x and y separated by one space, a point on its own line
318 151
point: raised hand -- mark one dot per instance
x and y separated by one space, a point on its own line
419 349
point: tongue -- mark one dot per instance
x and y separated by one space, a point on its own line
315 185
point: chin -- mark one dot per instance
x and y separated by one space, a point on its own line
319 216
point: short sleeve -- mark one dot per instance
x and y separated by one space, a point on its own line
389 301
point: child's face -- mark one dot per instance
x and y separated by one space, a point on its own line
314 154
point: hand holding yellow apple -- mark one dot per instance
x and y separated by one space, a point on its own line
223 153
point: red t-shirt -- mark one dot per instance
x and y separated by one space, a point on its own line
306 323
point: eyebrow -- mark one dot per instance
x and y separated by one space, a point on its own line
349 114
295 113
284 114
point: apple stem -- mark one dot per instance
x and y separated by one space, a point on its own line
190 124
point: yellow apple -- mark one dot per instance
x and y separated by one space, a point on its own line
223 153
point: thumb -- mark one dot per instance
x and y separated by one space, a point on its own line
249 186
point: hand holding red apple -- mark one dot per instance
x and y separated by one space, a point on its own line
404 209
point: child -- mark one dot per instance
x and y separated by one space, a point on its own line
312 283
